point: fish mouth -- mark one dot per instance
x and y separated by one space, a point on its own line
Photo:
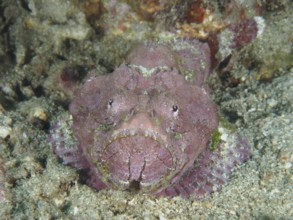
137 159
137 132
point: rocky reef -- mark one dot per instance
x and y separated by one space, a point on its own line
48 47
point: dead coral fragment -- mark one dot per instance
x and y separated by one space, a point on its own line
93 10
148 9
201 30
273 66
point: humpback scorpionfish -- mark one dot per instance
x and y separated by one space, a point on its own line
151 126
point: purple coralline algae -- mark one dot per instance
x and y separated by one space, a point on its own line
151 126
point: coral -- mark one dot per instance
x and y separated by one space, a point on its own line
148 9
119 19
48 18
200 26
239 35
93 10
273 64
276 5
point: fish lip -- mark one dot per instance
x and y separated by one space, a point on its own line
156 137
126 133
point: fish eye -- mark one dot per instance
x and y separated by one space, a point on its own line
110 103
175 110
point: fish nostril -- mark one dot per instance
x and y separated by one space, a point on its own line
132 112
153 113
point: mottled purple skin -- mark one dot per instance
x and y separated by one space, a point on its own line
145 130
211 170
150 125
145 126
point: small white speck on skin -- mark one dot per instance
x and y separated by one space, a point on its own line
221 130
132 132
202 64
175 114
224 137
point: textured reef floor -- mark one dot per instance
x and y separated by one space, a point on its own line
46 49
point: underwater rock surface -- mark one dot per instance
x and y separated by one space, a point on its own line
255 95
